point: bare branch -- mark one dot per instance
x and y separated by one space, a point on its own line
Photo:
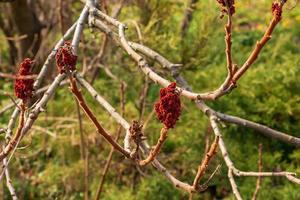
9 185
233 171
260 128
143 144
92 117
39 91
209 155
51 56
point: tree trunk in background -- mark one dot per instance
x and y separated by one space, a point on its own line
23 29
27 24
5 25
145 11
188 14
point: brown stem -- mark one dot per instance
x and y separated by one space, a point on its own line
82 142
228 28
99 57
154 152
259 178
143 144
143 97
83 153
105 42
86 175
92 117
206 137
202 168
259 45
14 141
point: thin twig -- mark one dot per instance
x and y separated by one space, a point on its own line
156 78
93 119
155 151
259 46
143 97
109 158
260 128
143 145
35 94
259 179
13 142
9 184
213 95
83 153
228 30
203 166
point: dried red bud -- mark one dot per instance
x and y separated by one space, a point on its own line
24 87
65 59
277 10
224 6
136 131
168 108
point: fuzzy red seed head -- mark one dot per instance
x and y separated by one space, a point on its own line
277 10
24 87
65 59
168 108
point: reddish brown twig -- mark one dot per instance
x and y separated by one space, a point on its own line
143 145
206 137
228 28
260 44
202 168
14 141
155 151
92 117
259 178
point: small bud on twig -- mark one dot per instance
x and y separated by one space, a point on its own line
277 10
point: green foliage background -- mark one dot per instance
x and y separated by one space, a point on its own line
269 93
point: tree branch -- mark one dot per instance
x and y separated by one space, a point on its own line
93 119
